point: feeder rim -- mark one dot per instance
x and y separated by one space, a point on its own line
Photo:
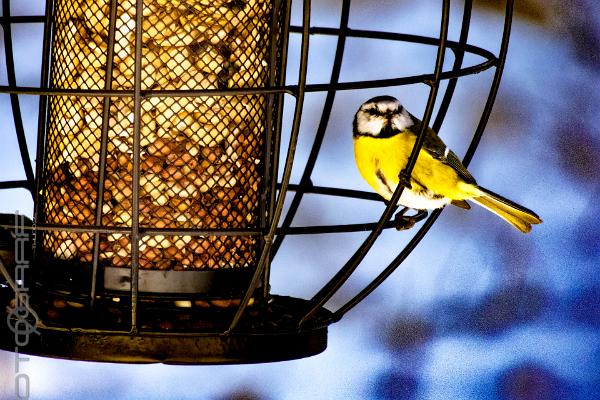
457 47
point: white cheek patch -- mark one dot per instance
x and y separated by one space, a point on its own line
369 125
402 121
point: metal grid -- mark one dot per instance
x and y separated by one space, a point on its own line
134 237
200 157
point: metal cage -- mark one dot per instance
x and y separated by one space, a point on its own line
110 275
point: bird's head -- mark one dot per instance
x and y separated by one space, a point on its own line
381 116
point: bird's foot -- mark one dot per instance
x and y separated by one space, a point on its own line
405 222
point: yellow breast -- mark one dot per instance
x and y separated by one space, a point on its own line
378 158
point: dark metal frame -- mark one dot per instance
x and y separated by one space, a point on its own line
309 316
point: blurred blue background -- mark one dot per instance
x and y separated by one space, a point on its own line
478 311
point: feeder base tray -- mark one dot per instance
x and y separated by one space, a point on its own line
203 349
270 341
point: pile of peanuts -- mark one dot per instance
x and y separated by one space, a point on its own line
200 157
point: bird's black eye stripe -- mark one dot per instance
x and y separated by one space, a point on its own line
372 111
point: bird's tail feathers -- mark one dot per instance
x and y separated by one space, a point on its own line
520 217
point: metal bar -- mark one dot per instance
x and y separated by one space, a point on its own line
322 229
34 91
222 92
200 232
487 110
408 80
278 129
135 201
14 100
146 231
14 184
331 191
22 19
460 55
43 115
358 33
103 145
343 274
295 230
320 135
287 171
288 89
280 106
273 154
491 61
269 173
395 36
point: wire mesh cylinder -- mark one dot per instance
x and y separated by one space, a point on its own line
202 159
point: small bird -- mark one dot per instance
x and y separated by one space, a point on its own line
384 135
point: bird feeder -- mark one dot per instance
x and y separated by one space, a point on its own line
157 210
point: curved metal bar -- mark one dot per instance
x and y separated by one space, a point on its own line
333 191
135 197
341 228
14 100
343 274
490 58
399 37
460 55
409 80
495 84
287 171
43 113
320 135
289 89
273 123
112 24
474 143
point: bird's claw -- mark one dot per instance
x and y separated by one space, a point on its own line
405 222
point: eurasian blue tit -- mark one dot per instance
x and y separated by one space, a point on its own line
384 135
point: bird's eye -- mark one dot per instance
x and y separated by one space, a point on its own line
372 111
